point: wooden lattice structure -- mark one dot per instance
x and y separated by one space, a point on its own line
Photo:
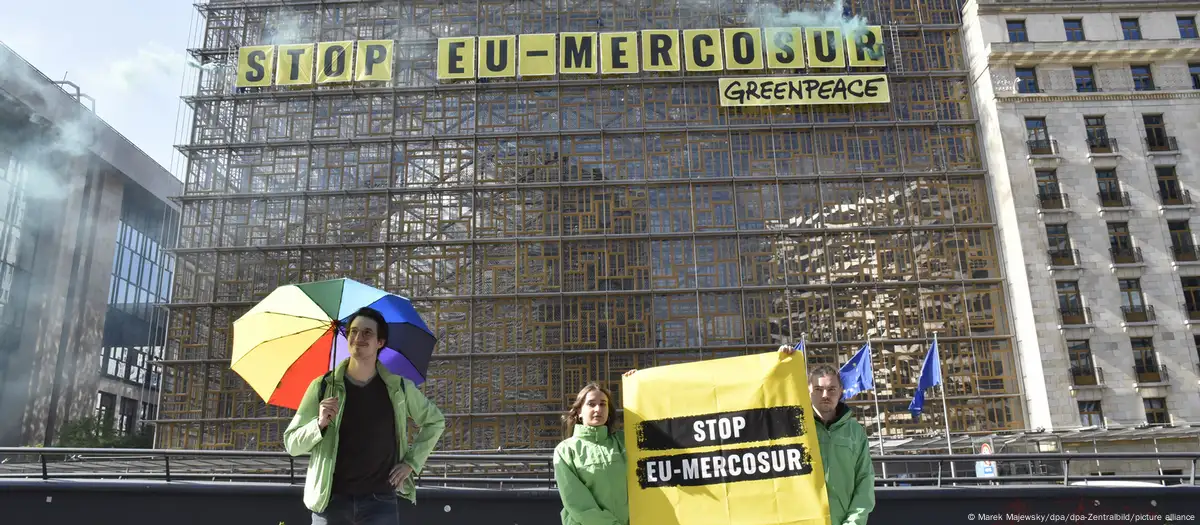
561 231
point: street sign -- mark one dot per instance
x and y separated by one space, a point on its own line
985 469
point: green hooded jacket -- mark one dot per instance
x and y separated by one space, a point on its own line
303 436
589 468
849 474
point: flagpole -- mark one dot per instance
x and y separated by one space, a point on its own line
875 395
945 410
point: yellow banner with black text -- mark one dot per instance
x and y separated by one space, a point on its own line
658 50
719 442
804 90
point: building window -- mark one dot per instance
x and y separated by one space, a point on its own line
1156 133
1131 29
1194 71
128 415
1061 253
1090 414
1074 30
1083 370
106 406
1111 195
1156 410
1187 26
1097 135
1038 136
1016 31
1049 193
1070 303
1169 192
1145 360
1027 80
1120 244
1181 241
1132 299
1191 296
1085 80
1143 80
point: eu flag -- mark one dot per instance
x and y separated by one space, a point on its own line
931 375
857 374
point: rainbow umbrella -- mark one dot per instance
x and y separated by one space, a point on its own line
297 333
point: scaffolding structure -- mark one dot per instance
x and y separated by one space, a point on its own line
560 231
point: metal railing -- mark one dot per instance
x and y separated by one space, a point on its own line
1075 316
1185 252
505 471
1114 199
1053 201
1126 255
1087 376
1161 143
1193 311
1102 145
1139 313
1154 373
1042 147
1175 197
1064 257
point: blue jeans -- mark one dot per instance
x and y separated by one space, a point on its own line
367 509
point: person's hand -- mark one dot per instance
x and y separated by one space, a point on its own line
629 373
398 474
785 350
329 408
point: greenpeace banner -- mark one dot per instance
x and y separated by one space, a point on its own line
723 442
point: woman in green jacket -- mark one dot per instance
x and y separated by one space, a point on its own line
589 465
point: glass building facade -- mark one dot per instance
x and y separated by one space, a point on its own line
564 230
135 323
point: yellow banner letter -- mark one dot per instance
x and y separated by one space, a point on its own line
295 65
579 53
374 60
660 50
618 53
335 62
539 55
497 56
785 48
456 58
255 66
743 49
702 47
825 47
866 47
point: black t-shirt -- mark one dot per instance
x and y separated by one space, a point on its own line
366 440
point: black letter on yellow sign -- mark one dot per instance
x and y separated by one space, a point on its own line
825 47
373 61
255 60
702 59
783 48
578 53
700 56
743 49
456 58
868 47
660 49
497 59
617 53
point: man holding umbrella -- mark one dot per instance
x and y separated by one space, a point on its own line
354 423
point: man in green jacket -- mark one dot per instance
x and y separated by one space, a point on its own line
845 453
357 436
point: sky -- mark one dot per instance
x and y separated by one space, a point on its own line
130 55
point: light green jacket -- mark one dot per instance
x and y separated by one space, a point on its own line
589 468
303 436
849 474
